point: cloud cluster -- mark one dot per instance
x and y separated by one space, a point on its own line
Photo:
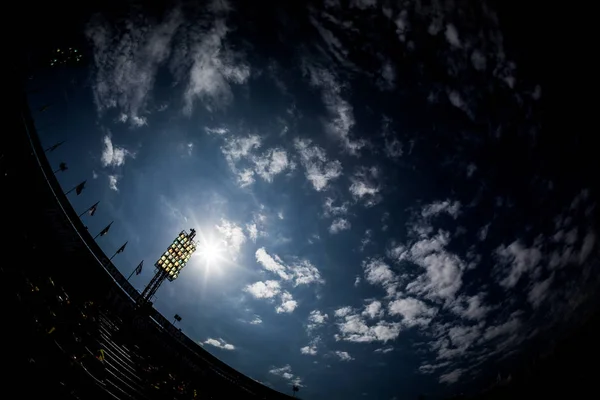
296 273
247 162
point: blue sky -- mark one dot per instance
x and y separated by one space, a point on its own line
388 224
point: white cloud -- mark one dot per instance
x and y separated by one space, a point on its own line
127 60
343 311
341 113
344 355
378 272
331 210
451 377
363 4
338 225
483 232
233 236
288 304
388 76
271 163
94 175
211 66
309 350
452 35
252 231
353 328
478 60
373 310
471 307
113 156
216 131
220 343
414 312
436 208
316 319
318 169
384 350
305 273
272 265
364 242
256 321
280 215
519 260
586 248
264 290
238 147
286 373
393 147
443 270
364 185
301 272
539 291
471 168
507 328
112 182
241 155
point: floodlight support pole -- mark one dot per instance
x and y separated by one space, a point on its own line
153 286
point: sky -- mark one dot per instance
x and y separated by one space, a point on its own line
389 215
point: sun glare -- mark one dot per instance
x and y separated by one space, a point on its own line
210 251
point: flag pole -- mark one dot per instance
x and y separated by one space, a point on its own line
71 190
131 274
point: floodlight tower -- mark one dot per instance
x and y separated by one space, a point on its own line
170 263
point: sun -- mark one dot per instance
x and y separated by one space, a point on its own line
210 251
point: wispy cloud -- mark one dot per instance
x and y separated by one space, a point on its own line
341 113
127 59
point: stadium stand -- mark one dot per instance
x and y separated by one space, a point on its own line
75 331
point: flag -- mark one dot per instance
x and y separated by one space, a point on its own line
62 167
93 209
122 248
105 230
138 269
177 317
80 188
